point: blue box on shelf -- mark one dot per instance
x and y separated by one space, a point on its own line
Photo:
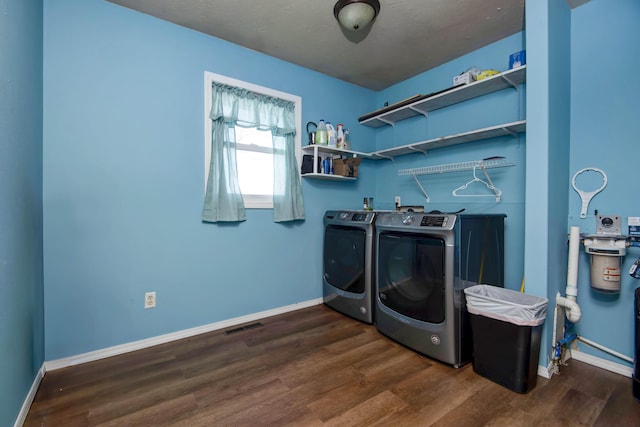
517 59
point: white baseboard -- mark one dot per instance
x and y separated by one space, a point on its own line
26 405
602 363
162 339
545 371
598 362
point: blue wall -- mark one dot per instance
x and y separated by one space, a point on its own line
558 151
124 182
580 113
131 223
548 24
498 108
21 289
122 166
604 117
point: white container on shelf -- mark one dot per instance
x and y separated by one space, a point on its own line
331 135
321 133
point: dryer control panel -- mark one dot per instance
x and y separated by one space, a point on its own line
416 221
361 216
349 217
434 221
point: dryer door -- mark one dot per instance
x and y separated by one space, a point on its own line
411 275
344 258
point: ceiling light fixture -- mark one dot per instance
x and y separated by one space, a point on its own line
355 15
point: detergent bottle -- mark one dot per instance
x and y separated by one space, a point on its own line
321 133
331 135
340 139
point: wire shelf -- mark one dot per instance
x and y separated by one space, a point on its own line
457 167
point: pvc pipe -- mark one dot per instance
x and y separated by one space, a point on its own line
605 349
572 270
555 324
572 309
568 339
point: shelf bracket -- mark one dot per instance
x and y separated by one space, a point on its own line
417 150
511 83
419 111
415 178
510 132
389 122
492 187
315 161
382 156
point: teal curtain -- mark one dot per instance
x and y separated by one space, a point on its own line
222 199
233 106
287 190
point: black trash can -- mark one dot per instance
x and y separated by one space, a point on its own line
506 328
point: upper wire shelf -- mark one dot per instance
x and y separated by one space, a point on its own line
423 104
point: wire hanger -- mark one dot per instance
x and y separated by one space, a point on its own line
496 191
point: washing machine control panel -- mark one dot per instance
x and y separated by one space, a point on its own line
351 216
407 220
360 217
344 216
434 221
416 221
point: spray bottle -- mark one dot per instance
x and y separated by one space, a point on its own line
341 137
345 142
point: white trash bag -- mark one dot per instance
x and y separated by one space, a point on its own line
506 305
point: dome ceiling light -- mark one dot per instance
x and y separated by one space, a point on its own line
356 15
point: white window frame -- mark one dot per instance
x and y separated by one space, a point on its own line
250 201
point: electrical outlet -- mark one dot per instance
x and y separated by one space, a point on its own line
398 204
149 299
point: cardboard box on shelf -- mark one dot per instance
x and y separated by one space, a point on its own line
346 167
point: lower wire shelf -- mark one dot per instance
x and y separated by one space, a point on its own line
474 165
458 167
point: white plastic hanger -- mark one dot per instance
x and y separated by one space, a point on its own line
496 192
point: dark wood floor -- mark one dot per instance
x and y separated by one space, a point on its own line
315 367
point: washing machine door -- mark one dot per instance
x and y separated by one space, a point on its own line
411 275
344 258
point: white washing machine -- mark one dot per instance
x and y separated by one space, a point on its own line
348 263
424 262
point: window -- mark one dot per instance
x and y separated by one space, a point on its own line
254 154
254 147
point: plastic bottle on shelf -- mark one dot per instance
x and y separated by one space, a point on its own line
321 133
345 142
340 140
331 135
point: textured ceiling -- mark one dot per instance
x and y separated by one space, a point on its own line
407 38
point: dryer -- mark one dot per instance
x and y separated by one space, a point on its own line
423 263
348 263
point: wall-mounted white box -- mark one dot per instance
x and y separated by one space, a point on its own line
464 78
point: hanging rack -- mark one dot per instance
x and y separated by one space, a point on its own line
484 164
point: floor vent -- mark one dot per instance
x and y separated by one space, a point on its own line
243 328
